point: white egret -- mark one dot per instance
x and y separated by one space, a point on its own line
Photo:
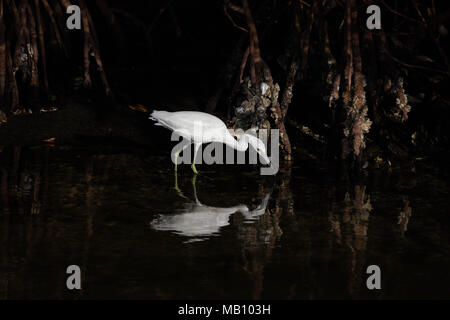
201 127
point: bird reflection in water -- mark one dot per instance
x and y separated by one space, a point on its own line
199 221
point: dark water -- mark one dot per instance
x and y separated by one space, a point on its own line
230 233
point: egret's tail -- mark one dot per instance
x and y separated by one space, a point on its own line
160 117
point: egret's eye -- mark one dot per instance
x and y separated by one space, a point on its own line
259 150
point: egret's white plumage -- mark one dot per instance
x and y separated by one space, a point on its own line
201 127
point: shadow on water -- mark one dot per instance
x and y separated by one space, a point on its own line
227 233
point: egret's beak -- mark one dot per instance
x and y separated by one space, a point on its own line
265 158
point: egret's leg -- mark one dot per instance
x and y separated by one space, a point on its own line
177 189
194 180
197 146
177 154
176 160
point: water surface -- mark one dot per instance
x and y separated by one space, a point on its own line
230 233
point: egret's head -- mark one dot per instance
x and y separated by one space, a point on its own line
259 146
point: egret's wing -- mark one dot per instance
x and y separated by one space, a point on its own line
197 126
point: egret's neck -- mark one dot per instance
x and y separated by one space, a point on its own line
241 144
